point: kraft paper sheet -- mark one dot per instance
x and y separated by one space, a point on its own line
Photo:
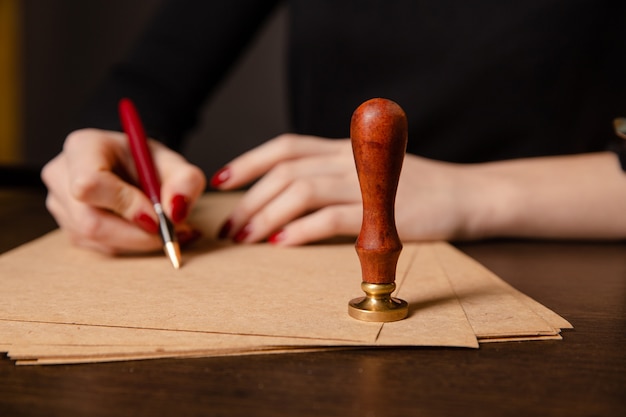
62 304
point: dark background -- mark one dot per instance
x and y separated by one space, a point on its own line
67 46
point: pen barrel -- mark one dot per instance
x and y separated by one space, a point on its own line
146 171
378 131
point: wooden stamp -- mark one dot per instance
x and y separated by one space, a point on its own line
379 136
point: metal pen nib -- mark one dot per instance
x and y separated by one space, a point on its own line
170 243
172 250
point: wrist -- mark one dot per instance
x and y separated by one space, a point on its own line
492 199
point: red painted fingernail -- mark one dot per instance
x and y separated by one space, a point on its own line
225 229
242 234
180 208
220 177
276 237
185 237
147 223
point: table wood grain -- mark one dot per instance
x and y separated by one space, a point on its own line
582 375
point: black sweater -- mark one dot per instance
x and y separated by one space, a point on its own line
479 80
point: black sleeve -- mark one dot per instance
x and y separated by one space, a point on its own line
186 50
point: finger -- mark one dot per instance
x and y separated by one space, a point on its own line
98 230
256 162
92 160
328 222
89 150
281 177
102 230
106 191
299 198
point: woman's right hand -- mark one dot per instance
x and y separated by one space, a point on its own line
92 196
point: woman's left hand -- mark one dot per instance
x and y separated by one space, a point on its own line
308 190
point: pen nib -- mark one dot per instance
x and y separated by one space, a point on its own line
172 250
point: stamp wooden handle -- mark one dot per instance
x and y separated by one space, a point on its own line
379 136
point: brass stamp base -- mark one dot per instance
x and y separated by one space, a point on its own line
378 305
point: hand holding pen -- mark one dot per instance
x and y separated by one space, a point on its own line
94 196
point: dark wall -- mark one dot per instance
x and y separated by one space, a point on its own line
69 44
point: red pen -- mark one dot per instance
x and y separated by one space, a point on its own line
131 123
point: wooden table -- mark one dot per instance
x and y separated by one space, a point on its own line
582 375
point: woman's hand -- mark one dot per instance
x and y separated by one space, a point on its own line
91 193
308 190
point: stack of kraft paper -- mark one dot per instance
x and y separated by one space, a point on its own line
62 304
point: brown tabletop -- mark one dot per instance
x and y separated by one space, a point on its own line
582 375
